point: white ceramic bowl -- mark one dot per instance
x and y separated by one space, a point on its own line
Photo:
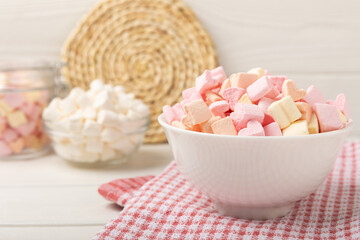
254 177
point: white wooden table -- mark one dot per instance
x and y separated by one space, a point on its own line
47 198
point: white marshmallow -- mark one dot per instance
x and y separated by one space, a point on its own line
91 95
67 106
62 150
110 135
91 128
75 93
77 139
130 96
75 123
54 103
109 87
94 146
132 121
83 101
89 113
119 89
59 125
69 151
142 110
103 100
52 112
124 145
60 139
108 118
132 114
96 85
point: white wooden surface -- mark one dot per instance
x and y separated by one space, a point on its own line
310 41
47 198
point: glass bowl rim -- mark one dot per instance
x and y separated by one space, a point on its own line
54 132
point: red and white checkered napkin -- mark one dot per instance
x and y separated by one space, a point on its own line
168 207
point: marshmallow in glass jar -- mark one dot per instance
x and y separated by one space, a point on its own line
102 125
26 88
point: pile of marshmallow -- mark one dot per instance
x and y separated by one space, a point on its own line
101 124
255 103
21 122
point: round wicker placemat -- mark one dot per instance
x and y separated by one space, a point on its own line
154 48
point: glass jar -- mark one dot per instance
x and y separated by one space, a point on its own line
26 88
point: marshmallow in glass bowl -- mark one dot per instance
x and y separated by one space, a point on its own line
95 127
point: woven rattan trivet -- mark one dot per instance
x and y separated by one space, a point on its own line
154 48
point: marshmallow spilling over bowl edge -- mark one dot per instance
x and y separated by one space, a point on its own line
255 103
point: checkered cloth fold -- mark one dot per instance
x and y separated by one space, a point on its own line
168 207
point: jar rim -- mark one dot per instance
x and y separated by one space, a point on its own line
16 65
12 74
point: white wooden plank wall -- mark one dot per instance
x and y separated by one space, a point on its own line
309 41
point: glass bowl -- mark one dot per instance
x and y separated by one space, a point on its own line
26 88
101 150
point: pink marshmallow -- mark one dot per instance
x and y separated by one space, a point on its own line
267 119
185 101
259 88
243 80
205 82
216 90
197 112
280 96
212 97
2 128
253 128
313 95
272 129
277 81
328 117
9 135
218 74
219 108
244 113
232 95
14 100
26 129
28 108
264 103
224 126
341 104
273 93
2 120
4 149
179 110
187 93
196 96
170 114
36 114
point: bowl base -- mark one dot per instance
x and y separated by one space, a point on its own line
98 164
253 213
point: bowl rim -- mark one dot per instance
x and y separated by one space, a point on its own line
317 135
64 133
